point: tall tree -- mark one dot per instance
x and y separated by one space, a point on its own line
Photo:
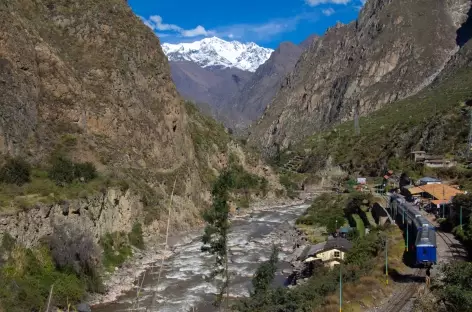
215 237
265 273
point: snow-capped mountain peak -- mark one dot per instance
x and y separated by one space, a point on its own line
218 52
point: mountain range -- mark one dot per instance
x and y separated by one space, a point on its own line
232 81
216 52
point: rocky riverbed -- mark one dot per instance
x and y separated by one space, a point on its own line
182 285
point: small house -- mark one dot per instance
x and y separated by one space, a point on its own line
419 156
330 252
439 163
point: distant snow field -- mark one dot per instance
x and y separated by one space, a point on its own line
218 52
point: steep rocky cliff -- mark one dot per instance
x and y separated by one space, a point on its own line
393 50
250 102
212 86
91 74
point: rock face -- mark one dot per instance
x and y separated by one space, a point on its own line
214 86
250 102
68 68
108 212
237 97
393 50
92 71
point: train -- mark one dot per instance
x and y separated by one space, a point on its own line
423 240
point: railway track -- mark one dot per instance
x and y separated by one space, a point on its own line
454 250
398 302
402 298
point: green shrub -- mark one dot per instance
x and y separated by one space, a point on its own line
325 210
85 171
265 273
8 243
27 277
456 288
62 170
15 171
116 249
136 236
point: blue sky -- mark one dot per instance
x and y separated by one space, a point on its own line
265 22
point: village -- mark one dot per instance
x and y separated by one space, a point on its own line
432 196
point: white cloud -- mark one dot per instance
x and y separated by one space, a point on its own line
263 31
197 31
328 11
318 2
363 1
243 32
156 24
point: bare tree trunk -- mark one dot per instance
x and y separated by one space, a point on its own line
50 297
138 291
227 278
165 247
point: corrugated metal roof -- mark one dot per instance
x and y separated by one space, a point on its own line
441 191
429 179
313 250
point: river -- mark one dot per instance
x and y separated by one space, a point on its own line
182 286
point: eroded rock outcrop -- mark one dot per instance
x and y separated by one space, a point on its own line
393 50
112 211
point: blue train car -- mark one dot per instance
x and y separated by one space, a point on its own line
423 233
425 243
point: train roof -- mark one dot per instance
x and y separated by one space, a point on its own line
426 238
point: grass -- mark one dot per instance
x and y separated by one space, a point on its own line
42 190
314 234
208 135
359 224
325 210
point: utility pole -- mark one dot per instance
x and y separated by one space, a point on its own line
406 235
386 260
340 288
443 202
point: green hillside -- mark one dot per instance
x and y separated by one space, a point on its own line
433 120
